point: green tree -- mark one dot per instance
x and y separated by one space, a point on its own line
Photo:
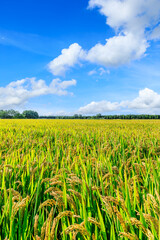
30 114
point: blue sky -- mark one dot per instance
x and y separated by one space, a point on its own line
54 57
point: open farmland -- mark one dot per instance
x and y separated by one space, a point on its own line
79 179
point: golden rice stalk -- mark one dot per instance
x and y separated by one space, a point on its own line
154 202
16 198
61 170
43 230
34 171
48 202
57 183
14 192
128 236
67 214
45 180
55 178
19 182
60 215
59 192
119 194
149 234
59 201
48 224
97 188
8 166
94 221
82 223
75 179
106 185
77 194
112 199
93 237
50 190
106 176
69 198
149 219
143 167
18 205
120 182
122 203
36 225
38 238
77 228
55 221
108 208
120 218
147 203
139 225
114 168
74 235
72 175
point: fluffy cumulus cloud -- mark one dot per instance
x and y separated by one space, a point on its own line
147 100
117 51
135 24
18 92
99 107
131 15
68 58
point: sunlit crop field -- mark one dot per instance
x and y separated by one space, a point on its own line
79 179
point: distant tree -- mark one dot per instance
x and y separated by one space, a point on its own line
98 116
19 116
3 114
12 113
30 114
76 116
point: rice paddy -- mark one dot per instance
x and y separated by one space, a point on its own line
79 179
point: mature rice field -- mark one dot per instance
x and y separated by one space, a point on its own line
79 179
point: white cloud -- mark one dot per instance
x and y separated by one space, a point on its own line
155 35
68 58
147 101
92 72
100 71
134 22
18 92
117 51
129 15
103 71
99 107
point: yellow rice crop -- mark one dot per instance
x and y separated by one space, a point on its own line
79 179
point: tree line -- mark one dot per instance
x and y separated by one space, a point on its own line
29 114
12 114
99 116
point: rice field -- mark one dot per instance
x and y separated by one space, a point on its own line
79 179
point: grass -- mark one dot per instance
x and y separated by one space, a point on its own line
79 179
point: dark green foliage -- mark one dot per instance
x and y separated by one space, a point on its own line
12 114
30 114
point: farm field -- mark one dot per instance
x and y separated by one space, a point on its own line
80 179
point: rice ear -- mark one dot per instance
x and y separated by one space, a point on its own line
36 225
128 235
